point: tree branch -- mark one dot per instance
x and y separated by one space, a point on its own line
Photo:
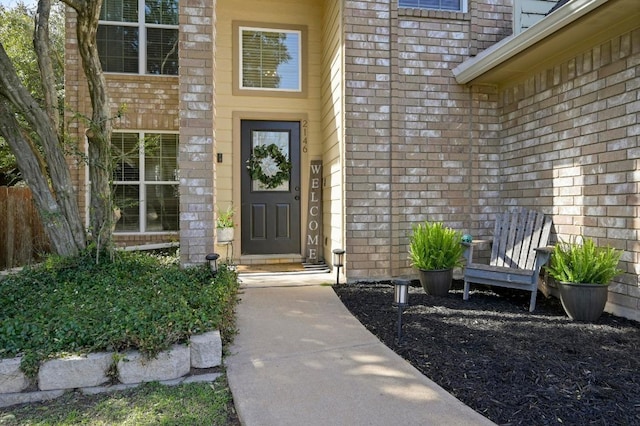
41 45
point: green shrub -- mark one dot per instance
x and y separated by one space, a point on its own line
433 246
134 301
225 218
584 263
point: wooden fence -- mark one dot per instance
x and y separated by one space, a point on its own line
22 237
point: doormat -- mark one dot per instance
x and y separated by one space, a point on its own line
282 268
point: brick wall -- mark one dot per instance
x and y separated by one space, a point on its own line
421 147
571 147
414 151
148 102
197 103
368 99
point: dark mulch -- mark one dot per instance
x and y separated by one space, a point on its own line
511 366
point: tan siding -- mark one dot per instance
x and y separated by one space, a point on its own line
228 106
333 131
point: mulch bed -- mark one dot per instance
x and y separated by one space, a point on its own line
514 367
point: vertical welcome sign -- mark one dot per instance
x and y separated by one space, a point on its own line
314 213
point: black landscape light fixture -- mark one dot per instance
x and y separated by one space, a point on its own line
338 262
400 300
212 259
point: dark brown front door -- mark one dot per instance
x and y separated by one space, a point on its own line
270 217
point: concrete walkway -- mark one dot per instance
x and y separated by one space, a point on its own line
300 358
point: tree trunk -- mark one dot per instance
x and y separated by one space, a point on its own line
47 172
57 203
99 133
56 223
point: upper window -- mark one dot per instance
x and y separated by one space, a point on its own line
270 59
452 5
139 36
145 181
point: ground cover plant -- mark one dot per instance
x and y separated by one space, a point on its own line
132 301
512 366
149 404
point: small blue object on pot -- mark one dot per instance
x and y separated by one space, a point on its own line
466 238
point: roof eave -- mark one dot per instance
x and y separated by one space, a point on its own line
515 44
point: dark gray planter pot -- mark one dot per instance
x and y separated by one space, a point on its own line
583 302
438 282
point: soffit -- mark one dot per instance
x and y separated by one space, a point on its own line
551 41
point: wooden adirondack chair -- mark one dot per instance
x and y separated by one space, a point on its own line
518 252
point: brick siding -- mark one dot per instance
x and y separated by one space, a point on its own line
414 151
419 146
197 103
570 147
149 103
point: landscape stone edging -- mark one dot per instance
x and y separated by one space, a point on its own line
12 379
57 376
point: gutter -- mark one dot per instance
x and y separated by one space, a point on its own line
515 44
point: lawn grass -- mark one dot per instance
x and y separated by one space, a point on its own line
148 404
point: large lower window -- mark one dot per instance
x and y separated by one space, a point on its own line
452 5
145 181
139 36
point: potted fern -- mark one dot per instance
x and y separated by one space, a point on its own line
435 250
225 225
583 272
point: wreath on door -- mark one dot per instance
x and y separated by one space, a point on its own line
269 165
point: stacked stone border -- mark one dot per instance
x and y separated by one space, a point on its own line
92 374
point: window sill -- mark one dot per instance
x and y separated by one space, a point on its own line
435 14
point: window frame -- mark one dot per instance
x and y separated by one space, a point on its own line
464 7
238 89
142 27
142 182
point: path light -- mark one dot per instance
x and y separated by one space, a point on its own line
338 262
400 300
212 258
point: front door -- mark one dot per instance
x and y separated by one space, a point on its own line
270 212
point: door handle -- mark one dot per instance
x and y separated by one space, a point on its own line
297 198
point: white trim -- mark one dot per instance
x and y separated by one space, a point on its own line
464 7
142 183
150 246
515 44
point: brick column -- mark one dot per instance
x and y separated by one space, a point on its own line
367 138
196 158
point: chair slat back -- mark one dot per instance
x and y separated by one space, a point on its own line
516 236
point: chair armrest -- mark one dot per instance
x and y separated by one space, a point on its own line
468 248
544 250
468 251
543 255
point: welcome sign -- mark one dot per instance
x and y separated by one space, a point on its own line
314 214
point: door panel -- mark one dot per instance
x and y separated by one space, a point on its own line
270 217
259 221
283 221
